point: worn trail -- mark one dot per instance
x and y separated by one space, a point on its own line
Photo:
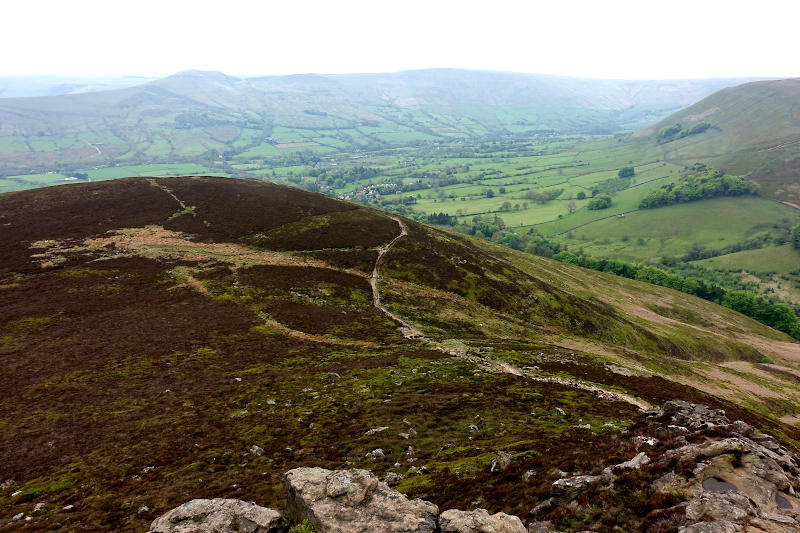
408 330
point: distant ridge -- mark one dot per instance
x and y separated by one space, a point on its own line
195 115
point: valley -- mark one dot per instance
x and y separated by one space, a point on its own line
423 274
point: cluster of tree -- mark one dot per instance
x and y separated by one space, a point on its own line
486 226
442 219
796 237
777 315
601 201
542 197
701 182
676 131
612 185
626 172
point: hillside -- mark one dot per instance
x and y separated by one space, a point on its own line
209 118
156 330
753 129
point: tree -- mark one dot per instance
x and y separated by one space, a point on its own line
571 206
626 172
581 195
796 237
601 201
489 193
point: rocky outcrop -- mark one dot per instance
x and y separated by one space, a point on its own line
717 476
730 477
220 516
479 521
342 501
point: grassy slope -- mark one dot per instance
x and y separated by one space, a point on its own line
672 230
244 317
754 130
190 115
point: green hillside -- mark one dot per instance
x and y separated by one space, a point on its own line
753 129
218 121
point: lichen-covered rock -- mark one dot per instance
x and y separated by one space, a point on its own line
501 462
568 488
719 506
479 521
711 527
344 501
220 515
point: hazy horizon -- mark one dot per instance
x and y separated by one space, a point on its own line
622 39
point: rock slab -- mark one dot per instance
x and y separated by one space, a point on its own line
479 521
220 515
345 501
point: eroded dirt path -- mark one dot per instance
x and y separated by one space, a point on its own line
408 330
496 365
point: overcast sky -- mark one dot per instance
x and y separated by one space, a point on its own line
595 38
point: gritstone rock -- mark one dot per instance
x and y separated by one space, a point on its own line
479 521
342 501
220 516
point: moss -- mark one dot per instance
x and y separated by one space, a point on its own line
31 322
188 210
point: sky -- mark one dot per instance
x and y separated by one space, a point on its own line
641 39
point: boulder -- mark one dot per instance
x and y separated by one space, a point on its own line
502 462
569 488
341 501
220 516
479 521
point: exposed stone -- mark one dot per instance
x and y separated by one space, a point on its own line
479 521
560 411
69 507
377 453
38 507
502 462
472 427
342 501
719 506
635 463
256 450
711 527
568 488
542 526
18 517
375 431
528 475
220 516
392 478
7 484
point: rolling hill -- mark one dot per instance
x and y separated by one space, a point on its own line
155 330
753 130
205 117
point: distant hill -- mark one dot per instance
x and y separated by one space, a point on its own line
197 116
24 86
172 338
752 129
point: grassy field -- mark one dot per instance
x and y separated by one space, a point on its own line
543 183
771 259
653 233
